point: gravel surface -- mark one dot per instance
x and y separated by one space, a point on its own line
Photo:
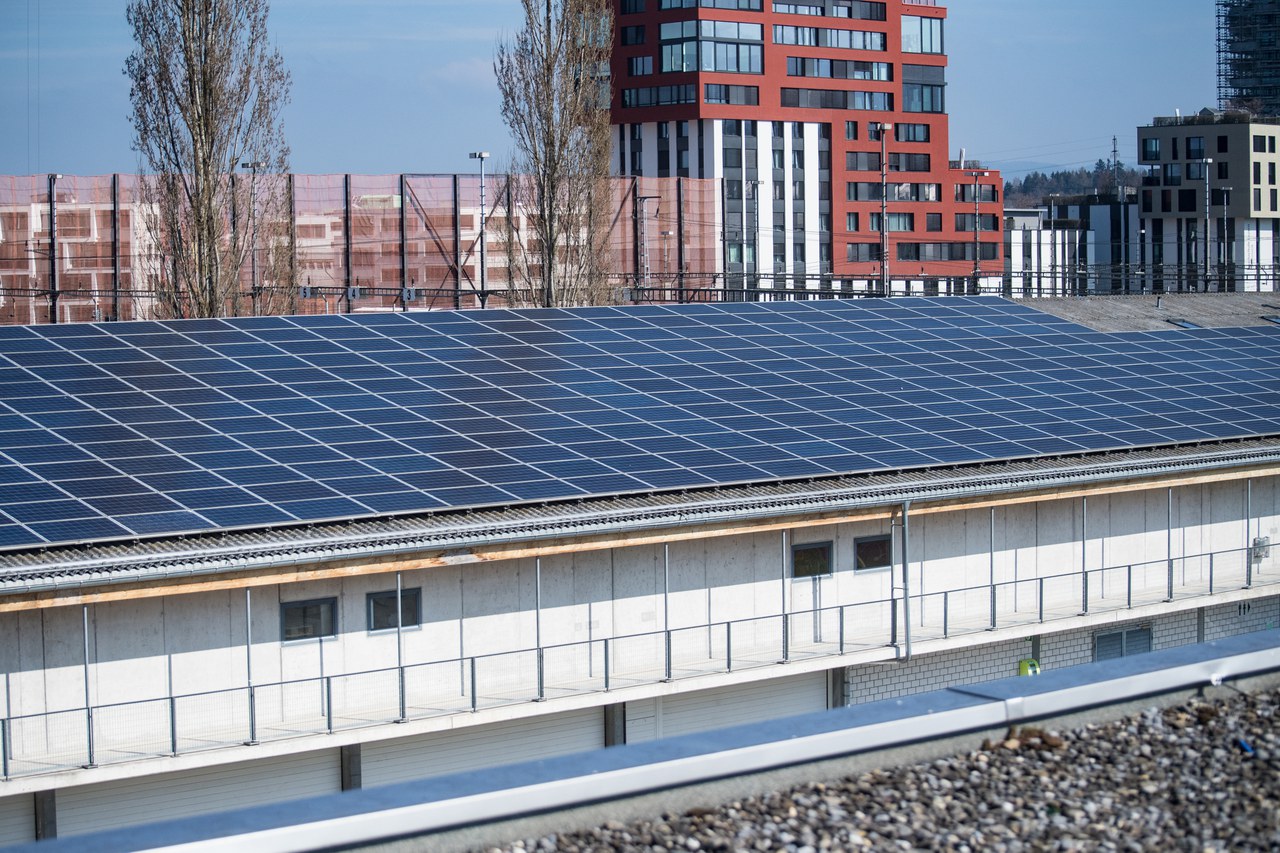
1199 777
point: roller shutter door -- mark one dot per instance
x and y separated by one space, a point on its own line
90 808
703 710
17 819
388 761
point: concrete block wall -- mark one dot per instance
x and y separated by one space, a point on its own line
1228 620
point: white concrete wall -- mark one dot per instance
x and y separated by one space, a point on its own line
136 647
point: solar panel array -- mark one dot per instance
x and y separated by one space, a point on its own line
126 429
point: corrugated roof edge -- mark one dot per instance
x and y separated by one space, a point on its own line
60 568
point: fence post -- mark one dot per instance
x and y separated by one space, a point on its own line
1040 596
1169 595
173 726
4 749
993 607
728 646
473 684
1128 590
786 637
88 716
253 717
541 677
400 673
840 620
946 614
1084 591
667 654
1211 573
328 703
606 665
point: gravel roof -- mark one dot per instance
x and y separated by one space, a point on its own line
1156 312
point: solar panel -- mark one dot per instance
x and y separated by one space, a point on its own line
144 428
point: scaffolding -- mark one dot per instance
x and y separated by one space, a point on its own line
1248 41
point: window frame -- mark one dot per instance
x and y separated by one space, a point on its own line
330 601
1123 634
858 542
826 546
405 592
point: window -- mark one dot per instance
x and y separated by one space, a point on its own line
1195 147
632 7
305 620
1151 149
850 130
1187 201
918 98
811 560
828 99
921 35
897 222
851 223
1259 145
718 93
904 132
1119 644
1222 145
640 66
817 37
1195 171
873 552
633 35
933 221
738 5
381 609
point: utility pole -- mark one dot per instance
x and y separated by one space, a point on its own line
1208 201
885 130
484 292
253 166
644 239
977 231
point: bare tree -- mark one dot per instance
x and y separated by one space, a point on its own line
553 77
207 89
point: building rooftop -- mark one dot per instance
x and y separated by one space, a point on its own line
1157 312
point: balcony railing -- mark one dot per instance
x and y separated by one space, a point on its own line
178 724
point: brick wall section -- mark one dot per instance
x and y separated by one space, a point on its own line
870 682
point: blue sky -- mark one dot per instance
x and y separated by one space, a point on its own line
389 86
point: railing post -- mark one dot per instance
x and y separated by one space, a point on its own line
1040 596
1248 566
893 619
400 674
541 677
786 638
173 726
840 620
1211 573
606 665
993 607
728 646
946 614
88 716
4 749
667 655
328 703
1169 591
1128 587
253 717
473 684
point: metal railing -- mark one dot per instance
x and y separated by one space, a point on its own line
171 725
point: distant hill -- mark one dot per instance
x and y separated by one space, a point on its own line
1034 187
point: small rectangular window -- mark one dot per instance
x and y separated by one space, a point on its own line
873 552
1119 644
381 607
304 620
811 560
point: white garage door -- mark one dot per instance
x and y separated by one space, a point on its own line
17 819
703 710
388 761
90 808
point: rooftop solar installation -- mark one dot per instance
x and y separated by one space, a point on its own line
158 428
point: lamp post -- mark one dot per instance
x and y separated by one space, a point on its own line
885 130
644 239
484 291
977 231
253 166
1208 202
53 247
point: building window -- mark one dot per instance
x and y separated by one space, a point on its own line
873 552
633 35
381 609
305 620
632 7
1195 147
850 130
921 35
1259 145
933 221
1151 149
1222 145
851 223
718 93
640 66
918 98
811 560
1119 644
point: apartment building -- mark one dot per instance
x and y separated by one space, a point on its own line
826 121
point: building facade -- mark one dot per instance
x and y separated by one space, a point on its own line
1210 202
826 121
1249 56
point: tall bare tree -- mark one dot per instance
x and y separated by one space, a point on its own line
553 77
207 89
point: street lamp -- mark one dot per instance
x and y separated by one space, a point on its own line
1206 163
885 130
253 166
977 230
644 237
484 292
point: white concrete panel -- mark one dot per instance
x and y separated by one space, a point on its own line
17 819
704 710
401 759
91 808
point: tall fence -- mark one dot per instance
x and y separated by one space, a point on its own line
76 249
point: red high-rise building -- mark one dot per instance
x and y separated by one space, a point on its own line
786 101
